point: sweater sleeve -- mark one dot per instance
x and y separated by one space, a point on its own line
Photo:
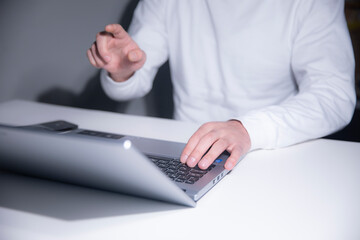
148 30
323 67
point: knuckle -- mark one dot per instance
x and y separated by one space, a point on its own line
187 150
194 139
212 136
223 143
207 125
196 153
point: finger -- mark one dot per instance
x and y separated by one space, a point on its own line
193 141
233 159
102 46
201 148
136 55
99 62
216 149
117 30
91 58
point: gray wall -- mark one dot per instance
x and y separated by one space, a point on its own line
43 47
43 51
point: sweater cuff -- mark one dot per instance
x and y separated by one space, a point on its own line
116 90
258 131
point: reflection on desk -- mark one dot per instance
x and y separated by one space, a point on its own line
70 202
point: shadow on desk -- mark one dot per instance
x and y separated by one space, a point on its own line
70 202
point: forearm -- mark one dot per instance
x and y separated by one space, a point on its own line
313 113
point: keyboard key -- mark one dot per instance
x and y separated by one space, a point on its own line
162 165
178 171
170 171
179 180
197 175
191 180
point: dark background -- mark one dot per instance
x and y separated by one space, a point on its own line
43 56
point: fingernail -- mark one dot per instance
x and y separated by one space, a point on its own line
229 165
203 165
191 162
184 158
133 56
107 58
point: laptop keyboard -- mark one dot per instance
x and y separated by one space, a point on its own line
178 171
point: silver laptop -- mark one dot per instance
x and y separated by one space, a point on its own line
137 166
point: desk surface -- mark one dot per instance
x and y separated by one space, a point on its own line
307 191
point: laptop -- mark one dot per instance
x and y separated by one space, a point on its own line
143 167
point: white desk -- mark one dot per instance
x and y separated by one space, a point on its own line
307 191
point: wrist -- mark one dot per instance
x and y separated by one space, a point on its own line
120 77
245 135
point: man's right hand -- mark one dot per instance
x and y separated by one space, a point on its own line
116 52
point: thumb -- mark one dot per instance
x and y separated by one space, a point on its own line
136 55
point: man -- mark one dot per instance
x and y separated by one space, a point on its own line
262 74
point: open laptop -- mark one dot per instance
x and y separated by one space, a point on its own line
137 166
